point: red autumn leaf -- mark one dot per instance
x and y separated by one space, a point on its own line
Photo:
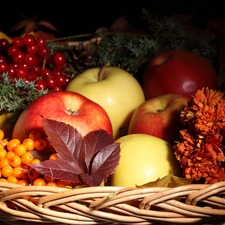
82 160
47 25
33 24
30 26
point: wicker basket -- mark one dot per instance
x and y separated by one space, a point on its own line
187 204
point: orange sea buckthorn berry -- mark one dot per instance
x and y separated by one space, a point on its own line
33 200
12 143
47 178
33 161
19 171
27 157
24 176
4 162
3 180
2 134
7 170
53 156
25 167
4 142
15 161
29 143
61 183
9 154
69 186
1 146
2 153
40 144
39 182
23 182
12 179
20 149
33 174
34 135
52 184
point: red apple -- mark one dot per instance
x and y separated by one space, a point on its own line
64 106
178 72
159 117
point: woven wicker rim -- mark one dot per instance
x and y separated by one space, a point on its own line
187 204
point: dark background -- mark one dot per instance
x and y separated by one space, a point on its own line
74 17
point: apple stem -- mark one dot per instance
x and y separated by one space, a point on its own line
100 74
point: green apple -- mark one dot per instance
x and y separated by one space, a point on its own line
143 158
116 90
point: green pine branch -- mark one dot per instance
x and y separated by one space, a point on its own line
14 97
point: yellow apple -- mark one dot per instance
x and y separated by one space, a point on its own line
143 158
116 90
7 122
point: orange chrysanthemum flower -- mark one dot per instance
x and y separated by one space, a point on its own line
199 148
205 112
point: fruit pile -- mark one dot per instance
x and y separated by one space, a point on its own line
16 157
108 99
30 58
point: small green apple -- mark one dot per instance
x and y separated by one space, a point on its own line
143 158
116 90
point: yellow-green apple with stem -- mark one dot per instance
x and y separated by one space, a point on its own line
7 121
143 158
116 90
63 106
159 116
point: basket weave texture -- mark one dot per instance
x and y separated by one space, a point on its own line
187 204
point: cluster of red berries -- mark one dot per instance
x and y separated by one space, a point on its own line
29 58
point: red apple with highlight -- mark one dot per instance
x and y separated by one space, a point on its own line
63 106
159 117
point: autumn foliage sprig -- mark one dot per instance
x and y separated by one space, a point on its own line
200 147
83 161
